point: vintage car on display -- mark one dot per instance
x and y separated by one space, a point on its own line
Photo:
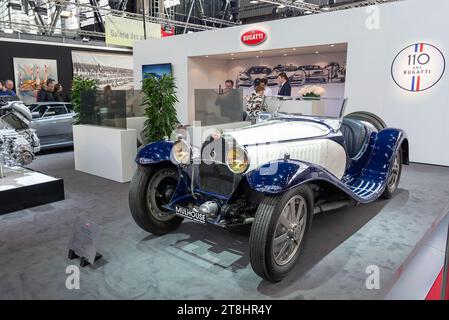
18 141
275 175
295 76
53 122
246 78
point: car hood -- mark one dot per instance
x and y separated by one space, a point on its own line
301 140
278 131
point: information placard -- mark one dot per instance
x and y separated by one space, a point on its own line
85 239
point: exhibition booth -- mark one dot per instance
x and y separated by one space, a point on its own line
362 155
373 43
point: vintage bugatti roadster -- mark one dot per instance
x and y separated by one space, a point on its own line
275 175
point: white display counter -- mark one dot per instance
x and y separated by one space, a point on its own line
105 152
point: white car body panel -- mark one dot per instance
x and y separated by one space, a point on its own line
304 141
277 130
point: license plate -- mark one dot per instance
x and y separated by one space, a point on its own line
192 214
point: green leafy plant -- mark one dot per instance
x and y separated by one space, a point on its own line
159 102
79 85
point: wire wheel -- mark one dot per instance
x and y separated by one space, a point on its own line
289 230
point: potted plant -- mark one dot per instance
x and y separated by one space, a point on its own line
159 102
312 92
79 85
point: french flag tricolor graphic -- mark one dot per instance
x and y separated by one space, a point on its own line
416 80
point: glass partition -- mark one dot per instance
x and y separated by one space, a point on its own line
110 108
214 107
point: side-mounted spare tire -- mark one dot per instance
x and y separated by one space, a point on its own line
369 117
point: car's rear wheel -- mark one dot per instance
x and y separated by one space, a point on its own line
279 232
151 189
394 175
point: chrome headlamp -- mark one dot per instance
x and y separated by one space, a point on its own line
237 160
181 152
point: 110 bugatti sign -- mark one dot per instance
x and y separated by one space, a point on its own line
253 37
418 67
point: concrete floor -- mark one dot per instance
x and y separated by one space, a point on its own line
197 262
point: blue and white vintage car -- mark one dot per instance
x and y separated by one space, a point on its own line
275 175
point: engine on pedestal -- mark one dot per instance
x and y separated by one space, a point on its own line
18 141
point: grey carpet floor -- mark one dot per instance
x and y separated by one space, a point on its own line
198 262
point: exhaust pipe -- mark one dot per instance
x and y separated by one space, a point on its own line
328 206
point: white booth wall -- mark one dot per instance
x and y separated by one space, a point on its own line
374 36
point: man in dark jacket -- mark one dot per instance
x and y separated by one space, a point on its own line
46 93
284 85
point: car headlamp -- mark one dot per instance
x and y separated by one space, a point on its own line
237 160
181 152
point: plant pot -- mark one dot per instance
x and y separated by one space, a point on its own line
311 98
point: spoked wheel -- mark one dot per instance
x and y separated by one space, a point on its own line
152 188
279 232
394 176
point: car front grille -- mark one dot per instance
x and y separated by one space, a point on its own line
217 178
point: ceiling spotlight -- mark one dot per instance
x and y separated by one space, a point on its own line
316 52
285 54
332 45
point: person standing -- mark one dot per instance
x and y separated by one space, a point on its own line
229 84
267 90
9 86
285 88
57 93
2 88
46 93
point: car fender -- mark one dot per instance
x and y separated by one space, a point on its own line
364 180
280 175
154 153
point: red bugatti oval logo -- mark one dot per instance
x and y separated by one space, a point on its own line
253 37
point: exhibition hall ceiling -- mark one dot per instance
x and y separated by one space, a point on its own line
319 49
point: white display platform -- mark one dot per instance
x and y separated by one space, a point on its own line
105 152
17 177
22 188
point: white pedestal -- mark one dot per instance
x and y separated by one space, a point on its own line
105 152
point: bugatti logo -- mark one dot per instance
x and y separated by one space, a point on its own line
418 67
253 37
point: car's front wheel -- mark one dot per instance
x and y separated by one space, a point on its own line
394 175
151 189
279 232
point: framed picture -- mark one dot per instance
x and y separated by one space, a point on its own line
31 74
156 69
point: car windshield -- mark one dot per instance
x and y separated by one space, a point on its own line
328 110
41 109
